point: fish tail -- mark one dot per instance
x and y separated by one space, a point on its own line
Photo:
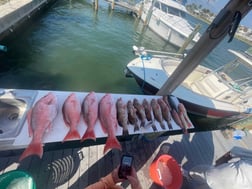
142 123
162 125
154 127
125 132
169 125
72 134
136 127
112 143
32 149
89 134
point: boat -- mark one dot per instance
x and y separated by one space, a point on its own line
168 19
220 93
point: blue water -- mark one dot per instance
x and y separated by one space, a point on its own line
73 48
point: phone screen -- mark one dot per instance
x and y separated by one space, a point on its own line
125 166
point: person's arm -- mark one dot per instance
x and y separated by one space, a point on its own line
106 182
242 153
235 152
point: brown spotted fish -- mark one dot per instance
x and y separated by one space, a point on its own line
157 112
132 117
140 112
122 115
165 112
149 117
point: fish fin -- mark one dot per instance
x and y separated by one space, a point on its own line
111 143
89 134
32 149
72 134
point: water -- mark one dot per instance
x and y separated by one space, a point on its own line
72 48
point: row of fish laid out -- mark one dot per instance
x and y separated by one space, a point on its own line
108 112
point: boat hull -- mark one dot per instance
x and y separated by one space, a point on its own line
192 108
167 33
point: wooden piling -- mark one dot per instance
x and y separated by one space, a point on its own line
149 14
189 39
113 4
140 11
96 5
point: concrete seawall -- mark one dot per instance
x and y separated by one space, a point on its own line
15 12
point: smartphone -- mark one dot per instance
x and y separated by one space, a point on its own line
125 166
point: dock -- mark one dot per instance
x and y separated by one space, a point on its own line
123 4
15 12
76 167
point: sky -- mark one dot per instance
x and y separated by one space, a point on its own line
216 5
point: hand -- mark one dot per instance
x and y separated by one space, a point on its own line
133 179
115 175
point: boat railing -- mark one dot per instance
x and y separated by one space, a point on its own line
142 52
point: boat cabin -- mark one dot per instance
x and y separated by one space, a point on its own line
171 7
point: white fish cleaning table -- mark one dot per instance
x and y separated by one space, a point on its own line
59 129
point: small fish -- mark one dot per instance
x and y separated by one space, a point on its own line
40 118
157 112
71 111
140 112
177 120
165 99
122 115
147 109
183 122
132 117
181 108
107 116
165 112
90 115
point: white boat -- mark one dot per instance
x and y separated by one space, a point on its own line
168 19
219 93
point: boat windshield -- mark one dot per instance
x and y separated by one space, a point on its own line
236 75
170 10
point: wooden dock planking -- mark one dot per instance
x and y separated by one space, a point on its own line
45 171
75 168
83 168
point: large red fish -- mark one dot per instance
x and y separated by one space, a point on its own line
108 120
71 111
40 118
90 115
